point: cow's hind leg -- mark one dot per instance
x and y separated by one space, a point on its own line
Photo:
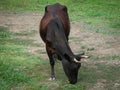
52 63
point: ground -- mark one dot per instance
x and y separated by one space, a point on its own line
82 38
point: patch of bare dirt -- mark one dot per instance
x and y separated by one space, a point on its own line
81 35
20 22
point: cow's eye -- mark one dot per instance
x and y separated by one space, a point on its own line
66 57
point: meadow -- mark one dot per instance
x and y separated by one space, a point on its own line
89 11
21 69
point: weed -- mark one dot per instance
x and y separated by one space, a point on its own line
3 32
90 49
114 57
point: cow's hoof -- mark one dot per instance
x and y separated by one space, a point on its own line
51 79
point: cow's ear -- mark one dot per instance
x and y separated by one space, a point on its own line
78 56
65 8
46 9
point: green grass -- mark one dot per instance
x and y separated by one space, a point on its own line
89 11
15 62
21 70
108 32
25 33
10 72
93 12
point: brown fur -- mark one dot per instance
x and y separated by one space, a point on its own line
63 15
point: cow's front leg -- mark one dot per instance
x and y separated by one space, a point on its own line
52 63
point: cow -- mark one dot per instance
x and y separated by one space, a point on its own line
54 31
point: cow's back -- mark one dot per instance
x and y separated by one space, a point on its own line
51 11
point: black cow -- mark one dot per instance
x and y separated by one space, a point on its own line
54 31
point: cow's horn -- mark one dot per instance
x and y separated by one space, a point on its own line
77 61
84 56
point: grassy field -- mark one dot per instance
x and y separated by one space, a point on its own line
22 70
89 11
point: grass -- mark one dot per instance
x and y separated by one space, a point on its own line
15 61
108 32
21 70
92 12
25 33
89 11
10 72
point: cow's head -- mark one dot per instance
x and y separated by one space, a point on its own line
71 67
